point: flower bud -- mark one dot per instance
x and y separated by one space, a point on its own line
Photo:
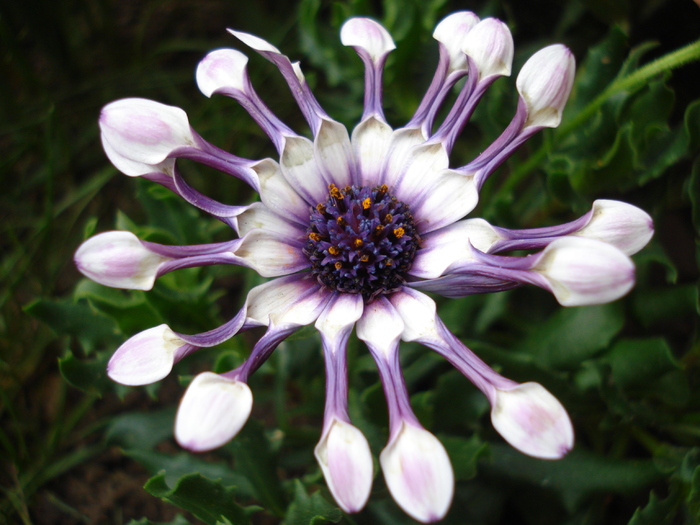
212 412
346 461
222 69
418 473
146 357
144 131
118 259
583 271
490 45
626 227
532 420
544 84
368 35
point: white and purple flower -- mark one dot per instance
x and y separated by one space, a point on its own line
352 229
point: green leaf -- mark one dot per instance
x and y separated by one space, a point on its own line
141 430
657 511
89 375
311 510
177 520
256 461
638 361
77 319
573 335
464 454
183 463
575 477
207 499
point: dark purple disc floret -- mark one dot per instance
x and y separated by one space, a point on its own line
361 240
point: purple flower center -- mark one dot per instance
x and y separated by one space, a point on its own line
361 240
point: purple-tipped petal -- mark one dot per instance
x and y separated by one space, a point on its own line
222 69
532 420
346 462
418 473
626 227
144 131
583 271
118 259
451 32
146 357
368 36
490 45
212 411
544 84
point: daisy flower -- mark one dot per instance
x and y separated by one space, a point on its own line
352 229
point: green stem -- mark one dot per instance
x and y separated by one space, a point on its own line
631 82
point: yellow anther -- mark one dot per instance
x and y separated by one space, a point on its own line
338 265
314 236
398 232
357 243
333 250
388 262
321 208
366 203
340 221
388 217
364 258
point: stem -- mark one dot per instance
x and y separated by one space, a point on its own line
631 82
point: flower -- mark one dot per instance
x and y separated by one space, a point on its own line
352 229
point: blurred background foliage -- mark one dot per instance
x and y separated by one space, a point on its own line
76 448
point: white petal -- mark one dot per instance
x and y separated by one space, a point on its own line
145 358
143 130
452 244
133 168
118 259
585 271
544 83
333 153
277 194
380 326
220 69
272 254
418 312
418 473
451 32
533 421
340 315
254 42
370 142
212 412
450 196
423 165
368 35
626 227
490 45
398 154
346 462
298 163
259 216
291 300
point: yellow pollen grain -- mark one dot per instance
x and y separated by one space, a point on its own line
388 262
384 188
358 243
388 217
333 250
398 232
379 228
314 236
321 208
364 258
338 265
366 203
340 221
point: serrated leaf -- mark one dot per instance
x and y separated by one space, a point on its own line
89 375
207 499
310 510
